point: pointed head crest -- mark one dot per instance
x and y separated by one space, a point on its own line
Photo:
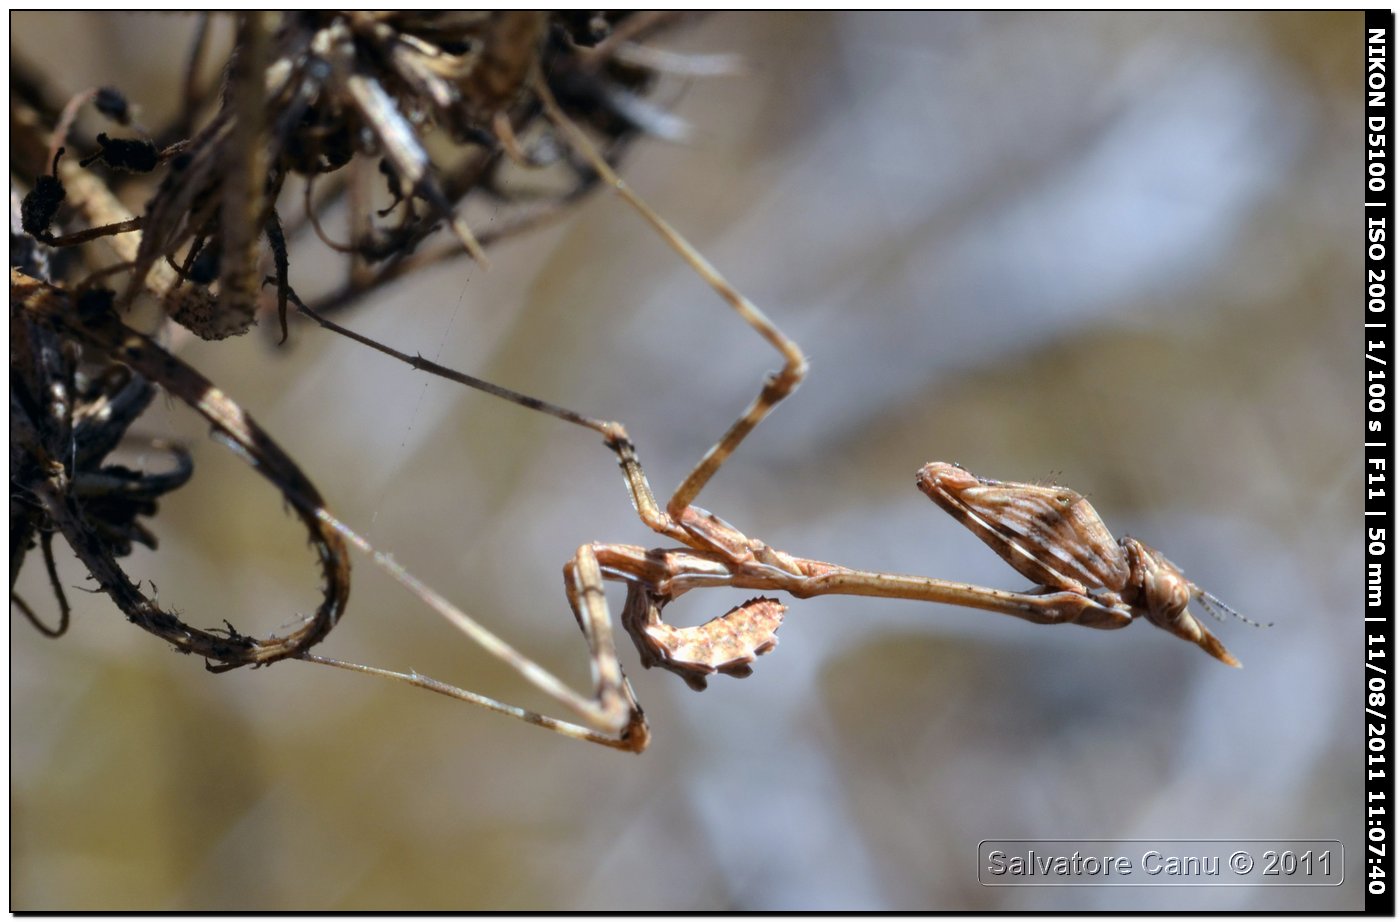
1163 594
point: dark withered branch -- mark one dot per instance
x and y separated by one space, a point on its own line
427 112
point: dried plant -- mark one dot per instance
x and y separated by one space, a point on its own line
310 94
321 95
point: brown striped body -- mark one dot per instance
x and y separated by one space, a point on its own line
1050 535
1053 536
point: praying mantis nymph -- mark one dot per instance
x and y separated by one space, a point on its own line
1052 535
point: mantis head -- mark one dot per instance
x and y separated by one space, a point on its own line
1161 592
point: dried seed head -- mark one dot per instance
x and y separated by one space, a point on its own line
129 154
112 103
1050 535
41 204
197 309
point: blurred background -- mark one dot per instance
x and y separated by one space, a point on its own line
1119 251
